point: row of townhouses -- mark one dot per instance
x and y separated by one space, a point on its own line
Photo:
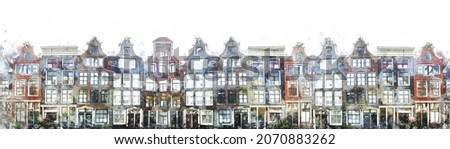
392 88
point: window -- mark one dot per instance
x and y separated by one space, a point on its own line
163 118
83 78
428 70
199 98
402 63
337 81
206 117
242 78
350 79
275 78
388 97
117 82
52 63
361 79
371 79
224 116
221 96
136 98
208 81
306 88
173 68
94 96
234 62
221 79
259 97
232 97
126 97
328 98
189 98
27 69
305 113
175 85
336 117
189 81
33 87
94 78
126 78
243 98
274 63
163 102
403 96
20 87
293 88
150 85
435 116
153 67
318 99
162 66
162 53
387 64
105 78
104 96
328 82
435 90
354 117
101 116
350 97
136 80
403 79
209 98
67 96
198 81
338 98
163 86
295 69
119 117
4 88
51 95
82 96
387 79
197 64
52 78
127 63
68 63
360 63
231 78
68 77
117 96
88 61
422 88
372 96
259 78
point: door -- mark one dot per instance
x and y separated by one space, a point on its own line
241 118
192 120
134 119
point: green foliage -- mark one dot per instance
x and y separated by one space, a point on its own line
18 126
283 124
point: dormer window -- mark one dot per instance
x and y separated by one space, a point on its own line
162 53
94 50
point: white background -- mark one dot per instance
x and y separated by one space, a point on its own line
262 22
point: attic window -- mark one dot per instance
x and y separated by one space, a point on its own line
298 56
428 56
198 51
360 50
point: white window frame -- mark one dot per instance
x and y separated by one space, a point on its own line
83 78
51 96
150 85
136 78
209 98
126 97
292 85
189 98
66 96
119 116
259 97
243 97
354 117
206 117
371 79
337 98
224 116
221 79
361 79
69 78
82 96
209 81
51 78
318 101
403 96
306 88
105 78
94 78
425 87
372 97
199 81
117 97
162 86
337 81
32 82
274 96
435 88
388 96
336 117
351 79
328 98
175 86
199 98
20 87
242 79
231 78
401 79
173 68
136 99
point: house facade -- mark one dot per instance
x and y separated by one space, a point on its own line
92 89
232 87
428 88
265 89
58 65
297 88
327 86
127 71
6 111
198 85
361 87
26 85
395 73
163 87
